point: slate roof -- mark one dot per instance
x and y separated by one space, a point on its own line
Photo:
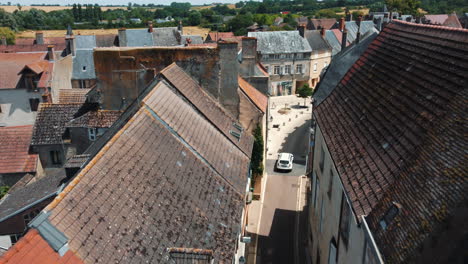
83 58
206 105
50 122
194 39
168 178
14 153
95 119
258 98
74 95
393 115
326 23
366 27
106 40
39 252
273 42
20 199
138 38
166 36
338 67
316 41
11 65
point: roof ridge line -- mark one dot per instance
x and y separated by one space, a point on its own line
396 21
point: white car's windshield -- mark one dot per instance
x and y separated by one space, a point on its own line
283 161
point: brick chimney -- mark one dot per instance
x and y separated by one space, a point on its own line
344 39
342 24
301 30
249 56
180 28
122 37
150 26
322 32
50 52
3 41
358 34
39 37
229 72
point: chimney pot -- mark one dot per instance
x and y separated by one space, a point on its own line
301 30
344 39
150 26
342 24
322 32
50 52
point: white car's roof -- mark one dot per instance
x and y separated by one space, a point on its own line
284 156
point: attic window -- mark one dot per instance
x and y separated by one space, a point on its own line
238 126
84 68
392 212
236 134
190 255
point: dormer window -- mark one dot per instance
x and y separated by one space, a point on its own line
84 68
391 213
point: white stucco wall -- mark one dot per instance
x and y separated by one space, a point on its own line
15 107
331 213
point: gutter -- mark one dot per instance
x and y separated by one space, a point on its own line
370 239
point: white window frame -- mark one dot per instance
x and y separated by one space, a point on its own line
299 68
299 55
267 68
277 70
325 64
315 67
288 55
276 56
287 69
92 133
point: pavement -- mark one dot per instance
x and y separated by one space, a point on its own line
277 217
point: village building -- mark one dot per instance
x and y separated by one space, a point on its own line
321 53
389 176
325 23
287 65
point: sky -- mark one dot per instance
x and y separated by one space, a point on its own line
112 2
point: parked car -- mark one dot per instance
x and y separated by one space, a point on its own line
285 161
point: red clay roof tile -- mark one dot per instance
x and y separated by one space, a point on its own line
259 99
11 65
14 153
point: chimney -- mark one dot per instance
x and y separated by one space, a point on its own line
3 41
249 56
358 34
39 37
71 45
69 31
322 32
301 30
391 16
229 72
50 52
343 39
180 28
150 26
342 24
122 37
349 16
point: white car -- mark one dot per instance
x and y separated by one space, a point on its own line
285 161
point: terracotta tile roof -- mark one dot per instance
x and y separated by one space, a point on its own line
32 248
149 189
96 119
327 23
215 36
74 95
30 48
50 122
14 153
258 98
377 122
43 68
206 105
11 65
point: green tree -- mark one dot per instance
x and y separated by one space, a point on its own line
404 6
9 34
304 92
4 190
194 18
257 152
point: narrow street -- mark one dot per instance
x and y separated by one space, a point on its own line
279 237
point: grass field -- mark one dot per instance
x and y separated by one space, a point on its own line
365 11
61 33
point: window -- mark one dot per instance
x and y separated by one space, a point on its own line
332 252
272 56
84 68
299 68
322 159
299 55
30 216
277 70
282 56
92 134
321 216
330 184
276 56
390 215
267 69
288 56
317 190
315 67
34 104
14 238
55 157
325 65
287 69
345 218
